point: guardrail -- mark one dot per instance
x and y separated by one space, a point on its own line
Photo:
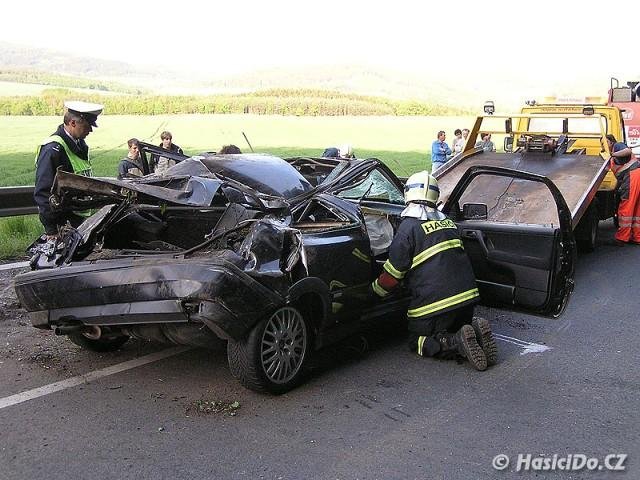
17 201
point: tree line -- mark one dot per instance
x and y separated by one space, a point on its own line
302 102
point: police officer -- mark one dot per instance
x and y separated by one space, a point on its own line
65 149
428 255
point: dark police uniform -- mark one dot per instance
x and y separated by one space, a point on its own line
58 151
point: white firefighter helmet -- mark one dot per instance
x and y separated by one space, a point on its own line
422 187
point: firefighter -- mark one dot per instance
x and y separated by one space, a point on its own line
627 171
427 254
66 150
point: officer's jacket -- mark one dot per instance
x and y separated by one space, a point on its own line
428 255
52 156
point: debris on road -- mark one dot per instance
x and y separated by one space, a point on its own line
207 407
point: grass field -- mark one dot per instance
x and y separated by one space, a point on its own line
403 143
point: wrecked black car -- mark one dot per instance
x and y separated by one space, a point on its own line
274 256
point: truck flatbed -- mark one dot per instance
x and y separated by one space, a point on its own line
576 176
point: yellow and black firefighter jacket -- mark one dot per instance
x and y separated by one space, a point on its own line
428 256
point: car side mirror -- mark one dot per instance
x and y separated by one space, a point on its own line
565 125
474 211
508 144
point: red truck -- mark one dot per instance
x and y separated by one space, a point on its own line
627 99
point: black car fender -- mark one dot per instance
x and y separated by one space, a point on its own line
314 296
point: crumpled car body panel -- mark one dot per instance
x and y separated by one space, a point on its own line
138 262
149 290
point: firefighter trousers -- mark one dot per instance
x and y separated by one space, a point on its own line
423 333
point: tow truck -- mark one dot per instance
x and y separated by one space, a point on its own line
570 150
591 107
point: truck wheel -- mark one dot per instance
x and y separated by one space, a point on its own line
102 344
587 230
273 356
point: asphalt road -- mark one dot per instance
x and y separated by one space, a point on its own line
383 415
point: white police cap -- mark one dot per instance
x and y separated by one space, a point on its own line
88 111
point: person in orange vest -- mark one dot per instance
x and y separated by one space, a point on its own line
428 256
627 171
66 150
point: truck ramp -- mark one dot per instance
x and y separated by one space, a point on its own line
577 176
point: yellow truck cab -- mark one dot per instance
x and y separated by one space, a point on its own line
592 108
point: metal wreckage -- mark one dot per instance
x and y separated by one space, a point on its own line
274 256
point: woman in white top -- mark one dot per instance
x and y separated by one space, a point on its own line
458 141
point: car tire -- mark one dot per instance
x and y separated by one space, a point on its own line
587 230
107 344
273 356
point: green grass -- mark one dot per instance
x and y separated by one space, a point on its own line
403 143
16 234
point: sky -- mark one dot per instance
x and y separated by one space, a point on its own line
489 39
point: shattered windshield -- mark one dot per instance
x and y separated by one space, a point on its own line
374 186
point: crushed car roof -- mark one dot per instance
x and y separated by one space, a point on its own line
196 180
264 173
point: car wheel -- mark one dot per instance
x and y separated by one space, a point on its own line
101 344
587 229
273 356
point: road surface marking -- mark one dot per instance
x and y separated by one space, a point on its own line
527 347
88 377
565 327
13 266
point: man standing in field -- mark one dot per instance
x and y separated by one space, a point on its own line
160 164
132 165
440 152
66 150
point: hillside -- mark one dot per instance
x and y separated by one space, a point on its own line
19 57
467 89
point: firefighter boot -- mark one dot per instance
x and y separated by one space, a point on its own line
485 339
448 345
469 348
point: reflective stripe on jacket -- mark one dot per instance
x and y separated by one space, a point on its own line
80 166
430 258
